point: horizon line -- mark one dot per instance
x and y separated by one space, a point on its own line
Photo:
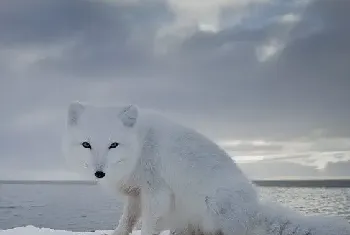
94 182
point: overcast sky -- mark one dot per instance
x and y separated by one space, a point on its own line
260 77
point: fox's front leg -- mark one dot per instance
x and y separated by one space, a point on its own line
130 216
156 207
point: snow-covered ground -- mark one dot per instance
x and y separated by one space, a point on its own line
31 230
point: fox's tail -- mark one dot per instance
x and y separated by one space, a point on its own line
236 216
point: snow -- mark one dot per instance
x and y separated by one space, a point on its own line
31 230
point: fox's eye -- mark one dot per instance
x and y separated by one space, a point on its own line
86 145
113 145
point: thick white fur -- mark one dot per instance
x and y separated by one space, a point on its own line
172 177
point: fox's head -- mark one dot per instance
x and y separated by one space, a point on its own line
101 141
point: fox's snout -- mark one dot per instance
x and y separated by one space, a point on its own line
99 174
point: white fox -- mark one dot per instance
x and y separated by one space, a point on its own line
171 177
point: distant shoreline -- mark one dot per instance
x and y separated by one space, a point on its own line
60 182
291 183
304 183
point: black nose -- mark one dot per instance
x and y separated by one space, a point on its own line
100 174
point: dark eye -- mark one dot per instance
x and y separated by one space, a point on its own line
113 145
86 145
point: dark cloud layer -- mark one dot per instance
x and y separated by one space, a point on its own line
278 74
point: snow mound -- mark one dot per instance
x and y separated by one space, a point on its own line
31 230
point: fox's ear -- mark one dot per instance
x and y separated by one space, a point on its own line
129 115
75 109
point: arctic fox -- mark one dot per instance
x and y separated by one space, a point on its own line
171 177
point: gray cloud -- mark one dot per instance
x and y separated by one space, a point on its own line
92 39
277 73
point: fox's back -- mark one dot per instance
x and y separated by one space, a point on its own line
189 160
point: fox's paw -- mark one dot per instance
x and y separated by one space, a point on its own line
117 232
114 233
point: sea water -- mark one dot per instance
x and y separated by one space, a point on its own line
88 207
